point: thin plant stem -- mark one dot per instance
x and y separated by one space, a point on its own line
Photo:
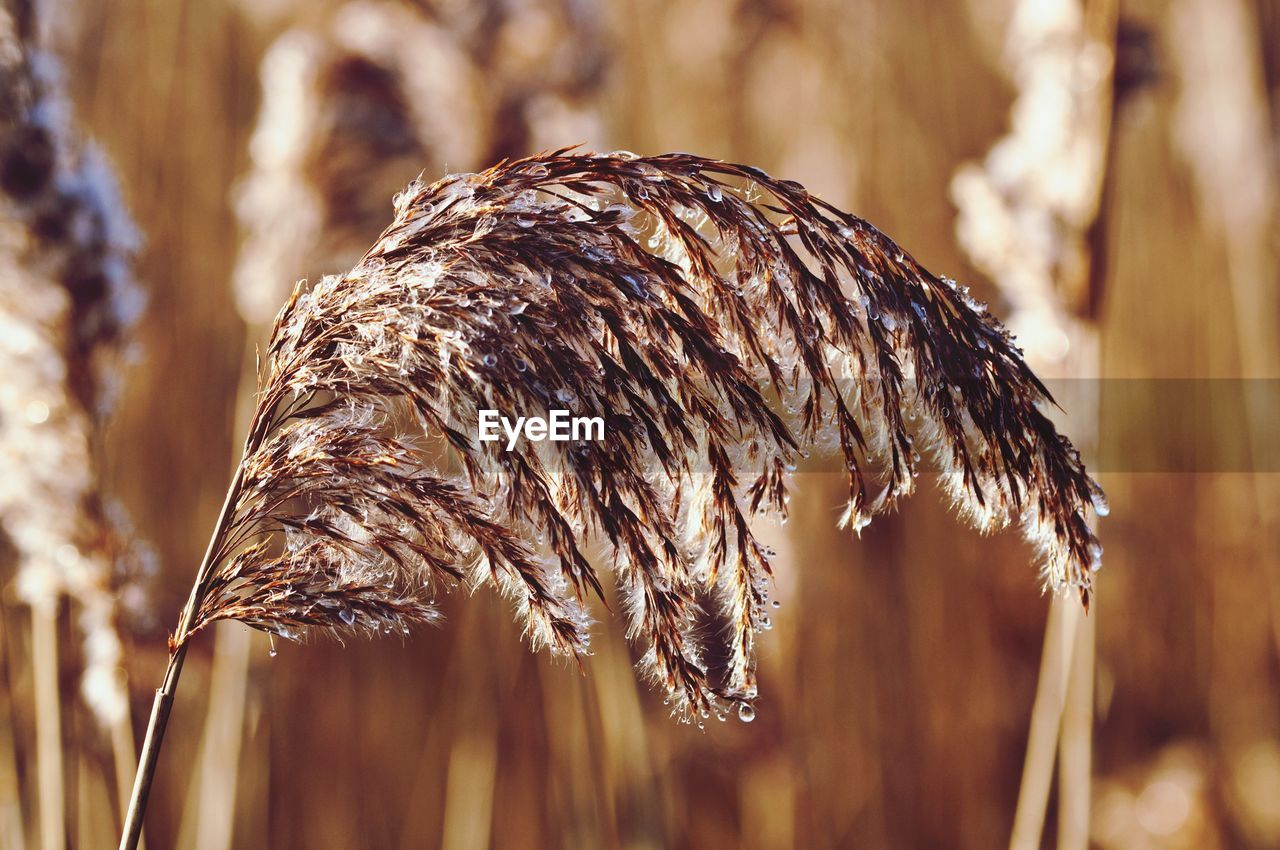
163 703
50 779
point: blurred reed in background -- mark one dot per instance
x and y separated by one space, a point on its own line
1112 166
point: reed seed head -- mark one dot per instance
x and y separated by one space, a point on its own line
726 324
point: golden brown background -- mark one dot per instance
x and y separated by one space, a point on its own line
898 684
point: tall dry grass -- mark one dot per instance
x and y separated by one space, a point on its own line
68 303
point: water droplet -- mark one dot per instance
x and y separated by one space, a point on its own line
272 650
889 322
565 395
521 365
1095 556
846 232
637 285
776 604
347 616
525 221
746 713
490 360
518 309
1100 505
37 412
714 193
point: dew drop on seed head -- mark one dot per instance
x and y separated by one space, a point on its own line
714 193
347 616
1095 556
490 360
746 713
1100 505
521 365
776 604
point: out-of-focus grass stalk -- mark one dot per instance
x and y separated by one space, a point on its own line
1046 716
1075 742
12 832
219 760
1046 178
468 810
48 704
123 755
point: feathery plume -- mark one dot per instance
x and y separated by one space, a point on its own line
67 302
586 282
723 323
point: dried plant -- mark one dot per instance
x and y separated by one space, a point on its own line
67 302
724 323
